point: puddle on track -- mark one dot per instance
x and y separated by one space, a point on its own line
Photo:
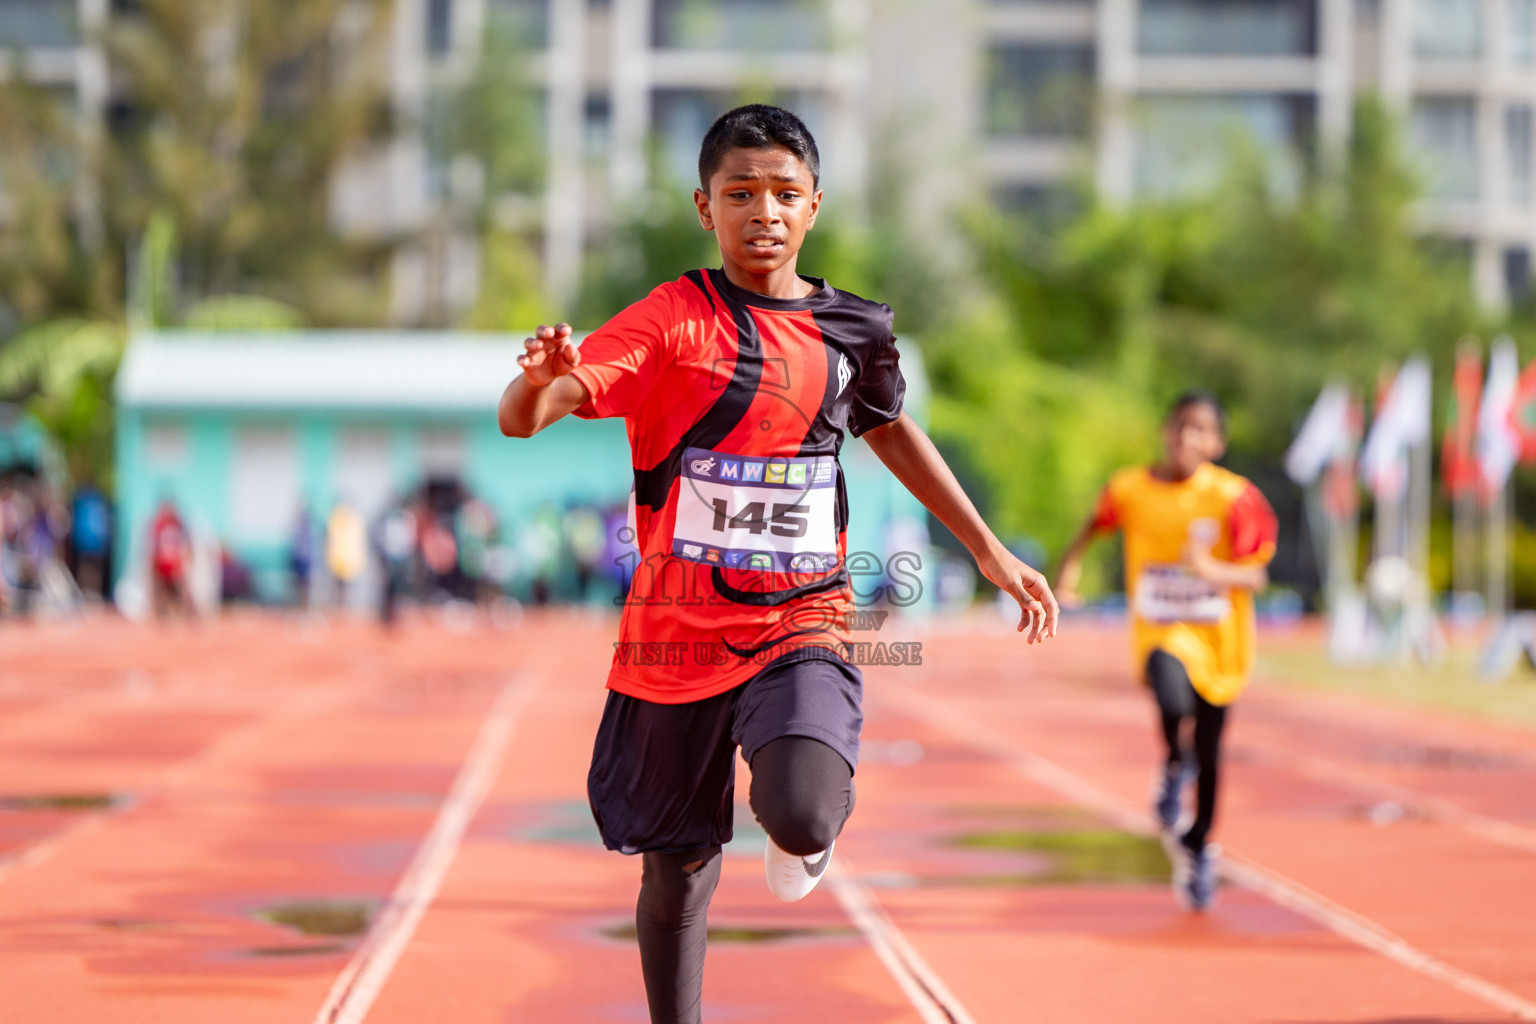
77 802
1073 857
319 917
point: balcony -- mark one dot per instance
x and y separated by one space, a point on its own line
748 25
27 24
1227 28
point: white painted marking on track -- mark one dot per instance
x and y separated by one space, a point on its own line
933 1000
1473 823
252 734
356 988
1241 870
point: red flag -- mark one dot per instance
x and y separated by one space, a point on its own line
1458 451
1522 413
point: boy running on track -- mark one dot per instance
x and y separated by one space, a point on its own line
1198 540
736 386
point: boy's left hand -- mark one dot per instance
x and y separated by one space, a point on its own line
1037 604
1201 563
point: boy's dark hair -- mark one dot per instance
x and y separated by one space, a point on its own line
757 126
1200 396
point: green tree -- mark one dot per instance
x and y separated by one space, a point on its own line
1255 293
214 165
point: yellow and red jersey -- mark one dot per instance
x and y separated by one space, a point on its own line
736 406
1210 629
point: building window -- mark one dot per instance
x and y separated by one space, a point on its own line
165 447
524 22
682 116
1228 27
1522 32
1517 144
1035 91
597 125
754 25
1044 206
1444 133
263 484
1448 29
25 23
439 27
1517 272
1186 144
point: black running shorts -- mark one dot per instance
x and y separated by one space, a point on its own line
663 775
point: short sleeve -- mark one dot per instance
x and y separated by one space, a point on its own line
1253 526
621 360
1106 515
877 398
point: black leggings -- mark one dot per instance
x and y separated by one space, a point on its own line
1177 700
802 793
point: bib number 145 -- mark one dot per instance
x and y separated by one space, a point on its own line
786 519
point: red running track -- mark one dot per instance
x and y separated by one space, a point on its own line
162 791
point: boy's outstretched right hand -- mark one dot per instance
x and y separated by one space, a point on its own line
1038 610
551 353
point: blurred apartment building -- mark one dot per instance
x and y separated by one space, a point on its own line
936 101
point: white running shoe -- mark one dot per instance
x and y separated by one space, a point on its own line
791 877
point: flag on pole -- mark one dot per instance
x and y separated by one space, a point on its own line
1322 434
1498 443
1522 413
1402 421
1341 496
1458 449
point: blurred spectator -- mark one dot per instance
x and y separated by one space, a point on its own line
583 529
475 530
541 552
235 582
395 541
301 556
169 552
346 548
439 551
91 540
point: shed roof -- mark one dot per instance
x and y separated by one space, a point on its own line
422 371
333 370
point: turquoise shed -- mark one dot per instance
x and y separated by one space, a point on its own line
242 430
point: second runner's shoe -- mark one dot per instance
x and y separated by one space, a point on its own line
1168 801
1194 874
791 877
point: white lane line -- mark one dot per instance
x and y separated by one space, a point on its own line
1241 870
1474 823
251 735
355 990
933 1000
1362 930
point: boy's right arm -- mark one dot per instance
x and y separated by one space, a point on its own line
545 390
1105 519
1071 572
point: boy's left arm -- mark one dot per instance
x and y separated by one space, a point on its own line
911 457
1254 531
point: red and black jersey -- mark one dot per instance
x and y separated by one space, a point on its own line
729 397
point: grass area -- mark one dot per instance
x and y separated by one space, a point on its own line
1096 856
1452 685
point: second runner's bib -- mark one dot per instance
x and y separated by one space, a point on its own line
1170 593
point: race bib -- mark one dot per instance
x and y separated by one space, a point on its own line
759 514
1170 593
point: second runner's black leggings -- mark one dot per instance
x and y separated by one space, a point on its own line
802 793
1178 700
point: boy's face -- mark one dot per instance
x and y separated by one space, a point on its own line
1193 436
760 204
